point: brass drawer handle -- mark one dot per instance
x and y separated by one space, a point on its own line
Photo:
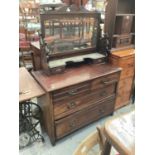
103 93
72 92
101 111
108 82
71 105
130 65
72 124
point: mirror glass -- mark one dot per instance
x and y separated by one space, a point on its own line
70 34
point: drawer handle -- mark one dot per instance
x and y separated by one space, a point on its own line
103 93
71 105
72 124
72 92
130 65
108 82
101 111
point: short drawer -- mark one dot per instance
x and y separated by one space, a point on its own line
64 108
123 62
83 117
104 81
71 91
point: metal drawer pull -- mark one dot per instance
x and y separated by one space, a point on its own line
72 92
103 93
71 105
72 124
101 111
130 65
108 82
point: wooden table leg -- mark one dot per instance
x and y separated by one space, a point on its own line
107 148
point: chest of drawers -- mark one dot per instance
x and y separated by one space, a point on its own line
126 60
72 96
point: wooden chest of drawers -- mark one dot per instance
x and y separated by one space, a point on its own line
126 60
73 95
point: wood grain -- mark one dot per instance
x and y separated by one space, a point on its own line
74 76
120 135
28 87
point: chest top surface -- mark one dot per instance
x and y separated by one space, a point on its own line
28 87
73 76
123 53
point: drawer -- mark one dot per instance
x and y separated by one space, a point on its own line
83 117
64 108
104 81
127 72
123 62
72 91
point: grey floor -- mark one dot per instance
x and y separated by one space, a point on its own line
67 145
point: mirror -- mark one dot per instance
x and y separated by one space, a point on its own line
70 33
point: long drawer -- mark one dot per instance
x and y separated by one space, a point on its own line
84 117
64 108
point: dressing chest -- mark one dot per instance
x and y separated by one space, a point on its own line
126 60
77 97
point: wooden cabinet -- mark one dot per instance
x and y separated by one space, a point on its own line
126 60
120 23
74 94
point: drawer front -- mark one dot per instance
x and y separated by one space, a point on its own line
123 63
104 81
82 118
127 72
122 41
73 91
67 107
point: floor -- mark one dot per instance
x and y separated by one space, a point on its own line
67 145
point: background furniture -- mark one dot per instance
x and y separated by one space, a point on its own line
28 87
89 145
120 23
29 113
119 133
74 94
126 60
36 55
29 26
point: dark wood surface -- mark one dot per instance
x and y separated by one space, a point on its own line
126 60
28 87
120 20
36 55
73 95
73 76
83 117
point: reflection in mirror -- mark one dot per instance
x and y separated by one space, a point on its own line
70 34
